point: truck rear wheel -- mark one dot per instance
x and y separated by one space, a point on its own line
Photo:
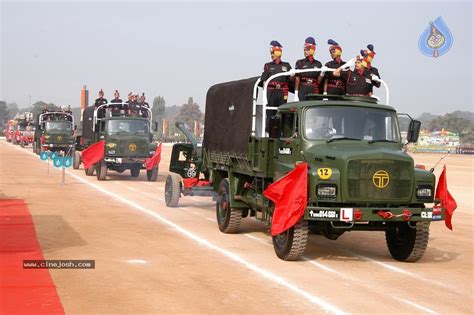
406 243
135 171
77 160
22 144
101 170
152 174
228 219
291 244
89 171
172 189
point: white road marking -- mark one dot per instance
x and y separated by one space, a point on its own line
136 261
425 309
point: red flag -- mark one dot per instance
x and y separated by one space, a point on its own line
154 160
289 194
93 154
447 201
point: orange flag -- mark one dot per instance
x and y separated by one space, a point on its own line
289 194
154 160
93 154
447 201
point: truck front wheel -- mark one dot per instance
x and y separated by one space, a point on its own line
89 171
291 244
228 219
135 171
152 174
407 243
172 189
101 170
77 160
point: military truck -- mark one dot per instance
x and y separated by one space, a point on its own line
55 133
128 138
359 176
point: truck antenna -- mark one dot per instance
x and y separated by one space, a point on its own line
442 158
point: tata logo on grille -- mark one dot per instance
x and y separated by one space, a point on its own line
60 138
132 147
381 179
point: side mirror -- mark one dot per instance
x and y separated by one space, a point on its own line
155 126
274 127
75 127
413 131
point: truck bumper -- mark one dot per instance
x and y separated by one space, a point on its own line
124 160
374 214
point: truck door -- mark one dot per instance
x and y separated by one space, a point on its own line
287 145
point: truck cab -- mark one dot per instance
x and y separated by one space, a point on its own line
55 133
128 139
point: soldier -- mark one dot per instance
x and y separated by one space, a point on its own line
117 98
369 54
278 88
334 85
116 109
143 101
358 81
307 82
100 100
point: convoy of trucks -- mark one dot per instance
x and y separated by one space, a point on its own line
359 177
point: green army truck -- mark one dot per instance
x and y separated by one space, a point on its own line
55 133
128 138
359 176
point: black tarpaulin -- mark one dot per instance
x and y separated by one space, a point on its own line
228 116
87 122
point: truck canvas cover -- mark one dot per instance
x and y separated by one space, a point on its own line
87 122
228 117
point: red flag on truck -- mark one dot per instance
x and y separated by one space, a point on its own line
289 194
447 201
93 154
154 160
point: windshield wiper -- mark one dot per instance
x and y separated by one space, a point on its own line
342 138
382 140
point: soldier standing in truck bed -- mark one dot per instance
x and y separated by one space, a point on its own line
369 54
278 88
307 82
100 100
334 85
358 81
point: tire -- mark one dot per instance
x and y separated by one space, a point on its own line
36 148
89 171
172 189
291 244
228 219
76 160
101 170
135 172
22 144
152 174
406 243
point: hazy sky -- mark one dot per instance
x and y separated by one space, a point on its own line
179 49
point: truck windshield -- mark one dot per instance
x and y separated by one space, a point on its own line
129 126
58 125
358 123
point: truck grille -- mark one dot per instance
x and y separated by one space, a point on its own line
133 148
361 182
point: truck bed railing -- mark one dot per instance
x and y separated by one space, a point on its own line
40 119
282 74
111 105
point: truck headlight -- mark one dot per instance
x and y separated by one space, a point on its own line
111 152
424 192
111 145
326 191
